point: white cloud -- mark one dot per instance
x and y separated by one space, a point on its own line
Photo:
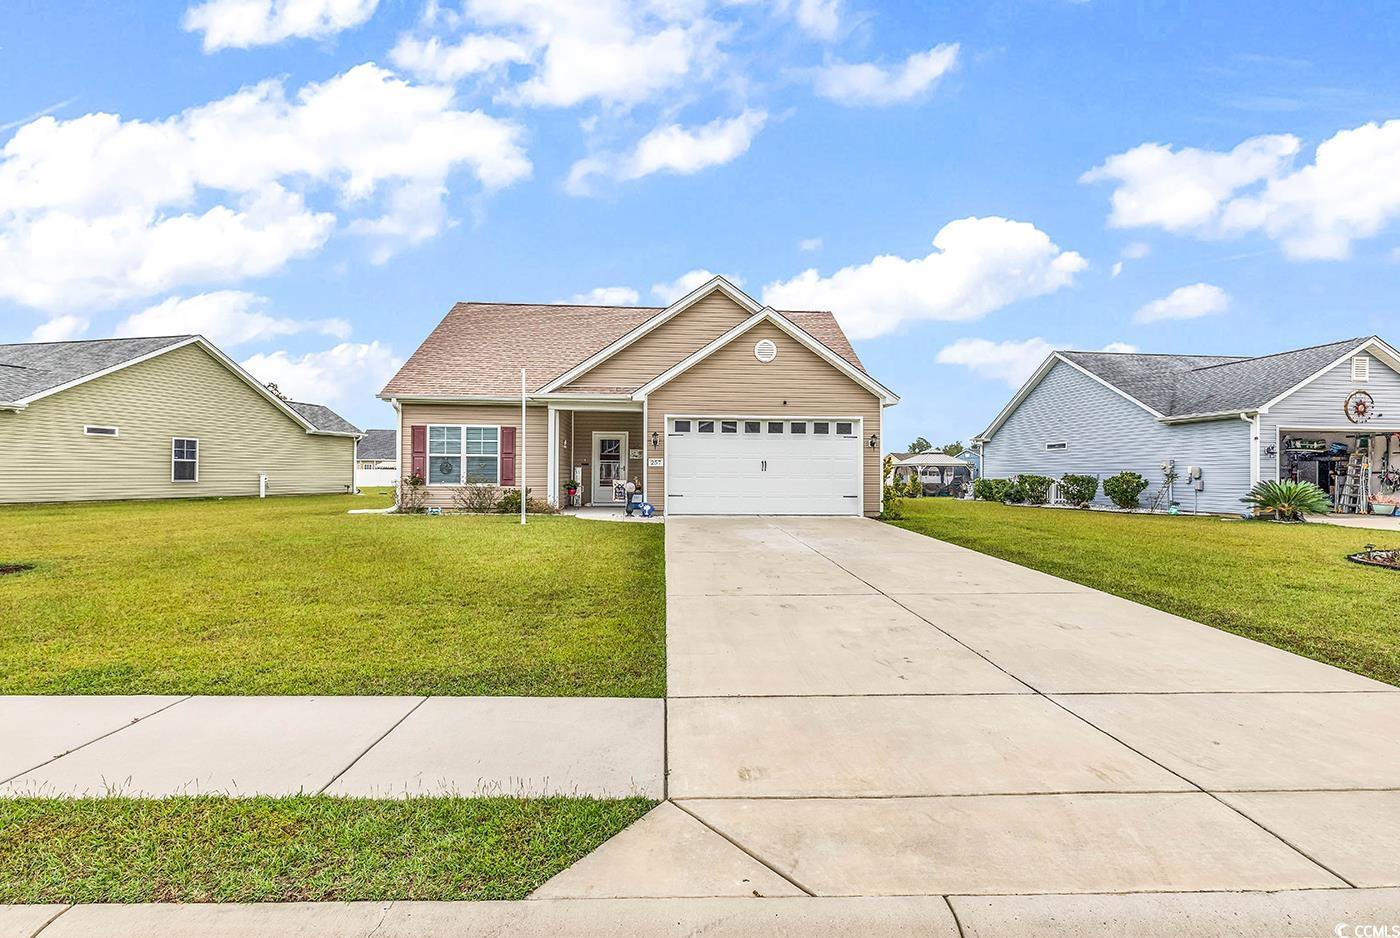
607 296
978 265
1010 362
1116 269
225 317
1350 191
818 18
1137 251
347 373
668 293
810 244
866 83
59 329
99 209
672 149
615 51
434 60
1193 302
240 24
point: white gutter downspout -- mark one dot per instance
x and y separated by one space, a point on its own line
524 492
398 447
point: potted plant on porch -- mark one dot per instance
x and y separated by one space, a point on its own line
570 487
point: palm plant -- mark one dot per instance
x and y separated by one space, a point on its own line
1289 501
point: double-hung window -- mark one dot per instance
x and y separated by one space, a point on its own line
184 460
464 455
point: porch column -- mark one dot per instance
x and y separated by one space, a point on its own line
551 474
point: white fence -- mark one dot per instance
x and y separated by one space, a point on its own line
375 477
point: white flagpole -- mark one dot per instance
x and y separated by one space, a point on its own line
524 493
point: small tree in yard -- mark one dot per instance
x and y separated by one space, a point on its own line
1079 490
889 495
1124 489
1290 502
1036 489
413 494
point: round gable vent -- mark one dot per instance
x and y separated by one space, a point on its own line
765 351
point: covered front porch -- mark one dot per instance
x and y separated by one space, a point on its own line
596 444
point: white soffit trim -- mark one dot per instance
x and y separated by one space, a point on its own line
660 319
768 314
1374 344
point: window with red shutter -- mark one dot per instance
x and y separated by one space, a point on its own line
508 455
419 437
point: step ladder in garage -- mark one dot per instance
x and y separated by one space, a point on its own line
1352 496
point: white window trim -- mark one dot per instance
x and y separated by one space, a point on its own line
1362 374
462 454
198 452
116 431
1057 447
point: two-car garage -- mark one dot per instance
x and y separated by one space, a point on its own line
736 465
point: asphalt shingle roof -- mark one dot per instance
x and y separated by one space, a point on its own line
31 368
1183 385
323 418
479 348
376 444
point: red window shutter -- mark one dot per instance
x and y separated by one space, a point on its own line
507 455
419 435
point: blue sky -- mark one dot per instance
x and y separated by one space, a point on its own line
314 182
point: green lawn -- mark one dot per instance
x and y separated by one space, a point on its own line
310 848
1287 585
294 596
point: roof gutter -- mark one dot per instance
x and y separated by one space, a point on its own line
1213 415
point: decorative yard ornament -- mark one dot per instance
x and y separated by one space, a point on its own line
1360 406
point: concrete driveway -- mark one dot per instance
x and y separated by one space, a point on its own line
857 710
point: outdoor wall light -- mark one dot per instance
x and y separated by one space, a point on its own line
874 441
655 439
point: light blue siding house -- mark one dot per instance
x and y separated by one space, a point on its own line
1296 414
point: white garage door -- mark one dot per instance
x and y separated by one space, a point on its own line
739 466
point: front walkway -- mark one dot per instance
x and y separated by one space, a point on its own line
857 710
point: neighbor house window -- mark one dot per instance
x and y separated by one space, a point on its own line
464 455
1057 446
184 460
843 429
99 431
1361 368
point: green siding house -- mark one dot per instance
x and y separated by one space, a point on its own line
167 417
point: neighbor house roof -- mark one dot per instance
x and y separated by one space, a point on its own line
377 444
932 459
1180 385
479 348
31 368
323 418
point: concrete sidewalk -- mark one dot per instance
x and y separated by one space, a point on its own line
379 747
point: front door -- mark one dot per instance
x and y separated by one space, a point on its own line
609 466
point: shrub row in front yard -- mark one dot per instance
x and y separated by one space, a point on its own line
1124 489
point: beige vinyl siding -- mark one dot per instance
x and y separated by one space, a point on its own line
732 382
44 455
649 356
586 423
536 437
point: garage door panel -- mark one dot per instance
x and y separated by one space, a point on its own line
773 471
